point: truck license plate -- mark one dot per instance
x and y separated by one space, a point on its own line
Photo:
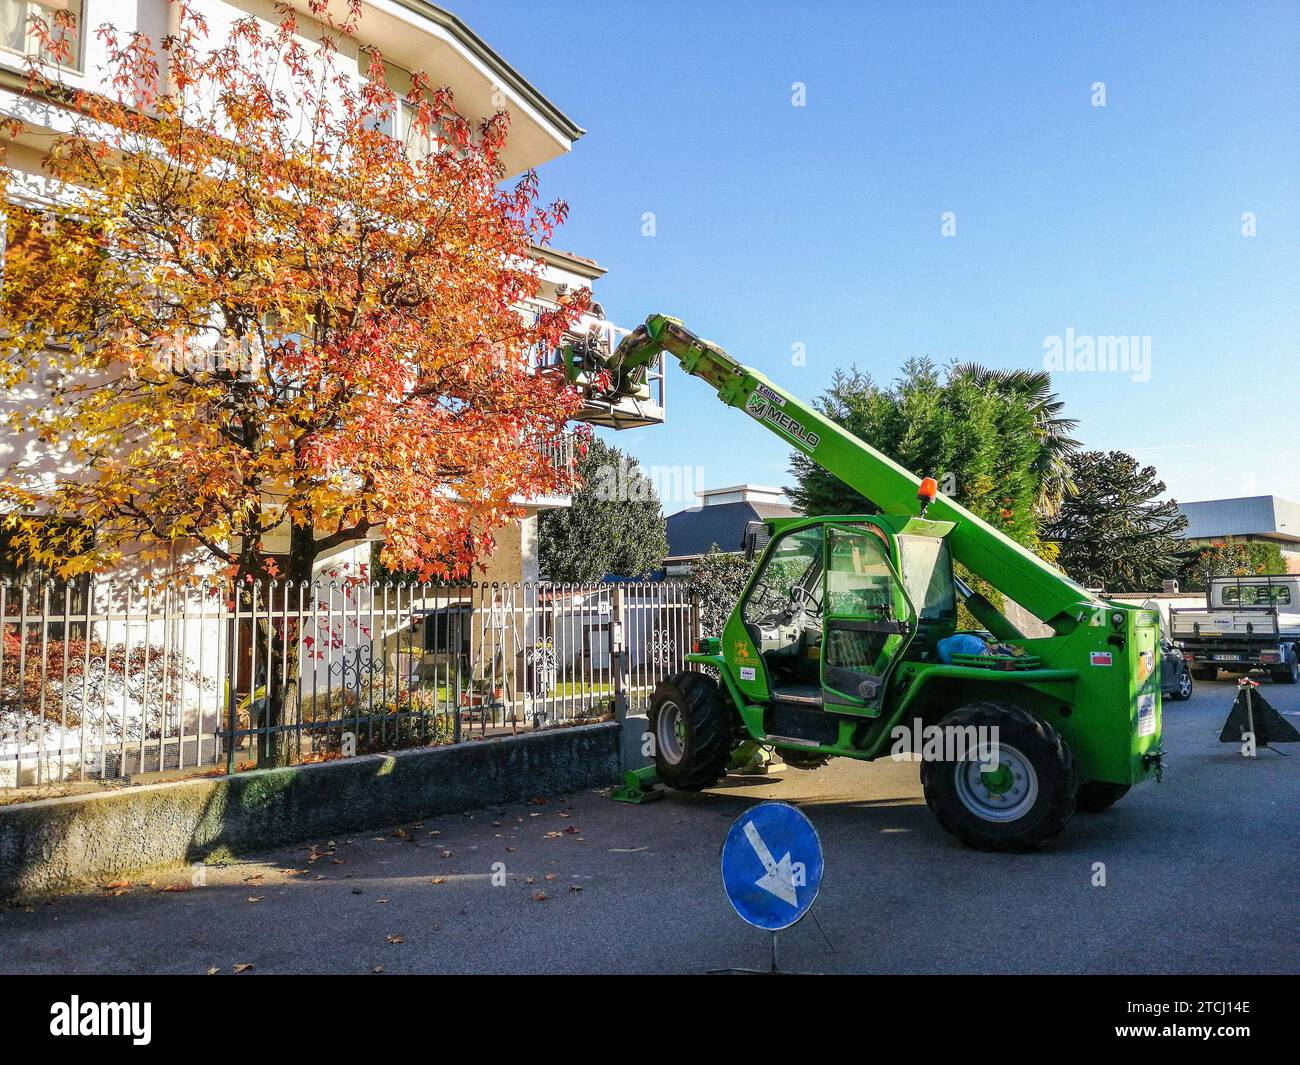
1225 658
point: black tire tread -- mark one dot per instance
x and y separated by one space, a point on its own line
709 723
959 822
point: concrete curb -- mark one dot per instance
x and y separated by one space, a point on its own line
59 844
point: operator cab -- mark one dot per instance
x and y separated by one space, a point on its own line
831 615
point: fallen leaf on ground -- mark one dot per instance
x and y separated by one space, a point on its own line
395 939
256 898
243 967
377 969
550 876
438 880
213 971
540 897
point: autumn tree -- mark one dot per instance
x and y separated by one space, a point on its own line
1113 530
615 525
252 311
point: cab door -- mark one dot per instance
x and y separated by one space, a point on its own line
868 620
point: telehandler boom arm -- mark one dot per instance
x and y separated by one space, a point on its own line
1038 587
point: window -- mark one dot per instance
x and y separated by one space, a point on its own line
1256 595
791 575
17 35
864 611
19 575
860 580
400 119
927 576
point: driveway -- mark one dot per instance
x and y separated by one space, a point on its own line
1200 876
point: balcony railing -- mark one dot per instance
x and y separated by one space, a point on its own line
646 408
562 454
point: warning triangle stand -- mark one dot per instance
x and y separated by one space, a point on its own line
1254 714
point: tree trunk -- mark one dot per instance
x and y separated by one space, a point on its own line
291 600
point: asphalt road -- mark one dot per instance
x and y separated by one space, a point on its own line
1201 876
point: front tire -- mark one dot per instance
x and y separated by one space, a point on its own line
1019 806
692 724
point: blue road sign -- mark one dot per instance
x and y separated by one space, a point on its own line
772 865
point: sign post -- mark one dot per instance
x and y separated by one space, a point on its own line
772 867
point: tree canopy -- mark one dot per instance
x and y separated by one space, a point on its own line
993 442
716 583
273 297
1113 531
615 525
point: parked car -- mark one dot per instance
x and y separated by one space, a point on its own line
1175 675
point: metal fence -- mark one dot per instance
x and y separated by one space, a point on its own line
108 681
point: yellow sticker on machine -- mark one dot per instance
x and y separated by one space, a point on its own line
1146 665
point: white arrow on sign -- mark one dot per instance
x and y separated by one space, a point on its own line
779 877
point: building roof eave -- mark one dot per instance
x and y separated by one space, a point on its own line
492 59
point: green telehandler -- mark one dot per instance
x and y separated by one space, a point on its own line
841 644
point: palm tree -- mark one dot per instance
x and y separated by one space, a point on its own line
1034 389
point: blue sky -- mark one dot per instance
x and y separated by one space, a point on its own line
820 225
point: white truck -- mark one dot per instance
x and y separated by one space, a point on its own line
1247 623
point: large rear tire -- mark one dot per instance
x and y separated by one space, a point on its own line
1022 804
1097 795
692 724
1289 673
